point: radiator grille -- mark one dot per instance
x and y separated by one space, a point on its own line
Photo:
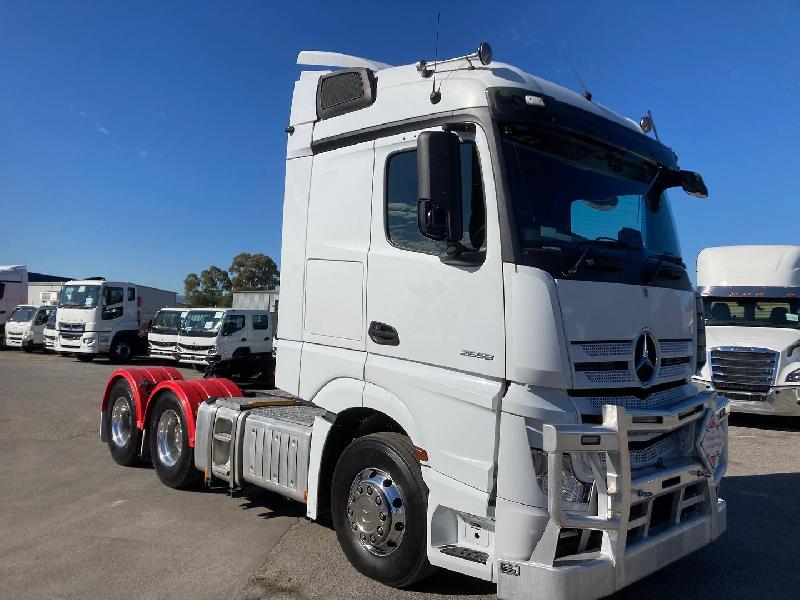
749 372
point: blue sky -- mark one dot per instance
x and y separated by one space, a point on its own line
144 140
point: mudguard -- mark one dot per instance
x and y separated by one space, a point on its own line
191 393
141 381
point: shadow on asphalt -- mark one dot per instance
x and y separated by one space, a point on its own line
765 422
755 558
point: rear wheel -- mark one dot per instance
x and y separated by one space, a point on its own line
122 435
379 505
121 350
168 434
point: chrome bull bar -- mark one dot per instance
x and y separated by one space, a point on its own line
616 489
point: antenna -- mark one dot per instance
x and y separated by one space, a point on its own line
586 93
436 95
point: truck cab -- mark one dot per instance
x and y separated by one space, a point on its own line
162 338
751 302
487 338
212 335
98 317
13 292
25 326
50 333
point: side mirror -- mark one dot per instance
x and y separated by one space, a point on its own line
439 212
693 184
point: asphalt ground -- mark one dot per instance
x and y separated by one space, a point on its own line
73 524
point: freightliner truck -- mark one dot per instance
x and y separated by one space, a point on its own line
487 339
751 297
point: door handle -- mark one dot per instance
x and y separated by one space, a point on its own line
244 339
383 334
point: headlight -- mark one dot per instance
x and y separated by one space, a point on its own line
573 489
793 377
88 340
212 350
27 335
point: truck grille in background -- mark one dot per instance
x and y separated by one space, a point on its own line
743 373
183 348
72 327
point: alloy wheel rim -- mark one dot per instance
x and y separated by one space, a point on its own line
375 512
121 421
169 438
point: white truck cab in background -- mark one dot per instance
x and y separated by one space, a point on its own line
13 292
162 338
212 335
751 301
50 333
25 326
99 317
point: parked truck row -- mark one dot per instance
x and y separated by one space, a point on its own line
487 341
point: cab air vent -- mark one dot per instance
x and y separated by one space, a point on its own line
345 91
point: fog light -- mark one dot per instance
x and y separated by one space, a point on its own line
572 489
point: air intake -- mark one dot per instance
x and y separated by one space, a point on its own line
345 91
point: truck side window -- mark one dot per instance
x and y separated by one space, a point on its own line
234 323
113 295
131 294
2 290
260 322
401 202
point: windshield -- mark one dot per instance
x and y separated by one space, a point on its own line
22 314
752 312
166 322
569 193
201 323
79 296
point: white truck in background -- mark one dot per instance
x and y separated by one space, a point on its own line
13 292
99 317
25 326
226 339
487 340
162 337
751 299
50 333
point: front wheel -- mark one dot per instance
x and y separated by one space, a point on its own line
168 434
121 350
379 506
121 433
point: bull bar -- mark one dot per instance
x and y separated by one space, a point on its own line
630 549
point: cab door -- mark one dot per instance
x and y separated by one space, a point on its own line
436 337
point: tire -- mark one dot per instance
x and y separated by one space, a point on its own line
168 437
123 437
383 467
28 348
121 350
85 357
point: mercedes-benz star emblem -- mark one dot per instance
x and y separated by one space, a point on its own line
645 357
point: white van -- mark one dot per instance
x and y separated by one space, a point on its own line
25 326
210 335
162 338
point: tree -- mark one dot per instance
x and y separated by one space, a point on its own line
253 272
211 288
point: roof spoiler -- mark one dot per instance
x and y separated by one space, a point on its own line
318 58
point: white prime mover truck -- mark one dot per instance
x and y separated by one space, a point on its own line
751 298
99 317
487 339
13 292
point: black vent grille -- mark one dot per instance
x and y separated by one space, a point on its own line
340 88
344 91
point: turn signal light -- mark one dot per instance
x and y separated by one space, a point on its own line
422 455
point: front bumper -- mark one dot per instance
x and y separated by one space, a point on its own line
646 522
163 352
198 359
780 401
16 341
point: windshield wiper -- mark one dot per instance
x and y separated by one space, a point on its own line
574 268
